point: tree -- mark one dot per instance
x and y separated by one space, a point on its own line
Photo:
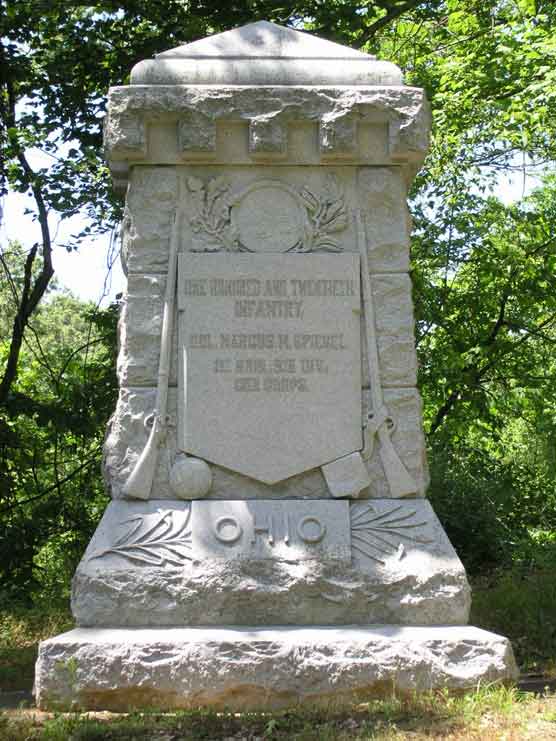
482 269
51 437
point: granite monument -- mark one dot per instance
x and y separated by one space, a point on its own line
268 541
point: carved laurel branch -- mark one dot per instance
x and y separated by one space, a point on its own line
211 206
374 535
326 214
163 541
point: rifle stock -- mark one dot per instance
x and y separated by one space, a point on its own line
400 482
140 480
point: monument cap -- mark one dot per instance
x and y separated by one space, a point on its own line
264 53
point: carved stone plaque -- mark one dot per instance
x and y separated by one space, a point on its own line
294 530
270 368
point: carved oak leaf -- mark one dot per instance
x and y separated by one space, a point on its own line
165 541
310 201
195 185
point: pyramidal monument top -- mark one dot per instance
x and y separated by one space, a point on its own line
264 53
263 39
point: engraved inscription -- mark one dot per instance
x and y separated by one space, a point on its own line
227 530
297 295
278 530
270 366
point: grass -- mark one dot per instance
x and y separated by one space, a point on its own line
20 632
487 714
522 606
517 604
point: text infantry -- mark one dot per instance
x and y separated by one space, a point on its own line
268 309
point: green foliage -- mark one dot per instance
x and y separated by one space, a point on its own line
51 433
20 632
483 269
520 604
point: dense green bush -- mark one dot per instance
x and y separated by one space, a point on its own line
51 433
496 513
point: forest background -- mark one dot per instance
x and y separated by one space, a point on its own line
483 267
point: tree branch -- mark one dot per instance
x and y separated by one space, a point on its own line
85 464
33 290
394 12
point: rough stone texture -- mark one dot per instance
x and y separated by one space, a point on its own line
245 168
382 194
402 570
139 331
127 435
151 201
343 116
261 669
150 208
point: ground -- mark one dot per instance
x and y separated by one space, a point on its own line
522 606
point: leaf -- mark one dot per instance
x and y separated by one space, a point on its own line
155 542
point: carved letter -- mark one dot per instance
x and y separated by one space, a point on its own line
228 530
258 530
308 534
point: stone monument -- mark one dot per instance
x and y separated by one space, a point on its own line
268 540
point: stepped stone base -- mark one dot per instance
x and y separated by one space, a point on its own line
254 669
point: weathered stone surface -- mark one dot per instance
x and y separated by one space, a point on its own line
260 669
127 435
149 216
271 356
139 332
151 206
402 567
339 112
175 71
150 209
382 194
391 294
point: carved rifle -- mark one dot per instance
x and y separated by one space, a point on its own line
140 481
379 421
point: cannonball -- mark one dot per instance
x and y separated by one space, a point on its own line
190 478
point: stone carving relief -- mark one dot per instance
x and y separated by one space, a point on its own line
154 540
376 535
166 538
267 216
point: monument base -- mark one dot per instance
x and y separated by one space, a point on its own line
262 668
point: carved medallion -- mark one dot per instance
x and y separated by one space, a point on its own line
267 216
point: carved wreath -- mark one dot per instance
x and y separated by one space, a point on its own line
325 215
